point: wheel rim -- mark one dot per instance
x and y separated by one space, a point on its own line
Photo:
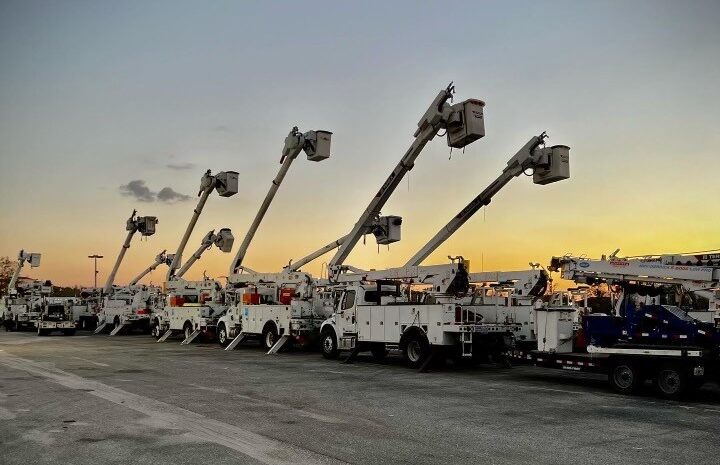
270 339
623 376
328 344
221 335
188 332
669 381
414 351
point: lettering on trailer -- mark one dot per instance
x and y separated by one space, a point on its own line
619 263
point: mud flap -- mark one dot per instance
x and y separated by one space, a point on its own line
164 337
238 339
278 345
99 329
191 337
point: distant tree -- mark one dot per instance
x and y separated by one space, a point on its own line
7 268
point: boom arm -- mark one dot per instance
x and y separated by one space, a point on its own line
226 184
439 115
584 270
531 155
146 226
32 258
223 239
159 260
317 147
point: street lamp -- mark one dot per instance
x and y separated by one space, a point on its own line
95 257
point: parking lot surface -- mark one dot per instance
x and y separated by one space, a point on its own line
127 399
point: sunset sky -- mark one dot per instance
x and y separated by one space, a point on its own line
96 94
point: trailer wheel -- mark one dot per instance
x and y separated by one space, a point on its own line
415 349
42 332
624 377
328 340
222 335
269 336
378 351
671 381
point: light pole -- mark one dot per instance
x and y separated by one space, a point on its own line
95 257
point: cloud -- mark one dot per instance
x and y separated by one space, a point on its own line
167 194
141 192
180 166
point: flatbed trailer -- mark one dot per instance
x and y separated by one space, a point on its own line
676 366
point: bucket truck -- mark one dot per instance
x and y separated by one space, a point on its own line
269 305
646 337
185 309
463 123
118 310
19 300
55 315
193 305
549 164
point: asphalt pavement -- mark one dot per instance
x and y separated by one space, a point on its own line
129 400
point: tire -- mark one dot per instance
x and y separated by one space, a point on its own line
222 335
68 332
187 329
671 382
42 332
379 352
328 344
625 377
116 322
269 336
155 330
415 349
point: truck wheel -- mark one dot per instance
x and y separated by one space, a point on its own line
329 344
269 336
624 377
222 335
187 329
378 351
415 349
155 330
671 382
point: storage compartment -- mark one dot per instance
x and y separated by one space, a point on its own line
286 295
554 329
251 298
319 148
176 301
556 165
227 183
469 125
